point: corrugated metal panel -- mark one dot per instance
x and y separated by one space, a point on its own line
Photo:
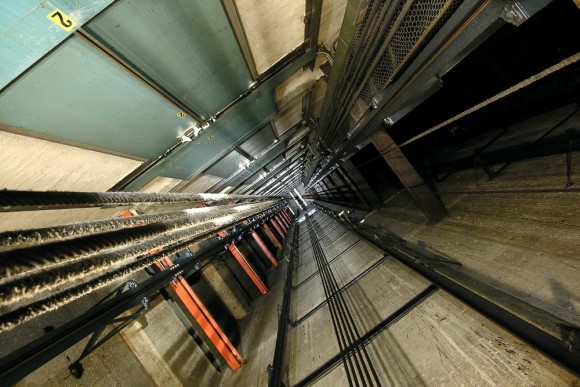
28 33
77 94
275 162
216 141
185 46
237 124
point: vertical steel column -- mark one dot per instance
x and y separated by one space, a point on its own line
352 173
272 237
243 261
264 248
202 316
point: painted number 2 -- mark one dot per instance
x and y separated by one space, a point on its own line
62 20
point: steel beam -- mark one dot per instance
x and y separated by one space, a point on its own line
271 236
429 203
247 267
274 223
264 248
352 173
203 318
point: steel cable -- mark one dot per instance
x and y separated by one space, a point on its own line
15 289
21 260
33 237
347 333
40 200
351 325
30 311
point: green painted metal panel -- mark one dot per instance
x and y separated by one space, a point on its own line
26 33
78 94
185 46
235 126
216 141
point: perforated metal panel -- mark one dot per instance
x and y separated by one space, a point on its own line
420 23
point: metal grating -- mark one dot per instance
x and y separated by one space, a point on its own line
421 22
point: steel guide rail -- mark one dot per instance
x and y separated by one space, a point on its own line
33 355
294 287
358 365
341 289
325 235
277 368
562 350
367 337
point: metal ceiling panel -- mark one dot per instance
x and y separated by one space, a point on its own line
259 142
227 165
255 177
257 165
298 136
274 163
236 125
77 94
30 29
186 46
215 142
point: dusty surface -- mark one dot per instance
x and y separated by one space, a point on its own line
440 342
273 29
525 244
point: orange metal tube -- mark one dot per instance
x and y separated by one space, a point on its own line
281 223
284 214
285 220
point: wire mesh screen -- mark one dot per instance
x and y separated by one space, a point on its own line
419 24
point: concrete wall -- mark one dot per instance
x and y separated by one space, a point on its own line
525 244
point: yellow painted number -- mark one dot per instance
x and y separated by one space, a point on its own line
62 20
181 114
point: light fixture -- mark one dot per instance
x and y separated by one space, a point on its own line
184 138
